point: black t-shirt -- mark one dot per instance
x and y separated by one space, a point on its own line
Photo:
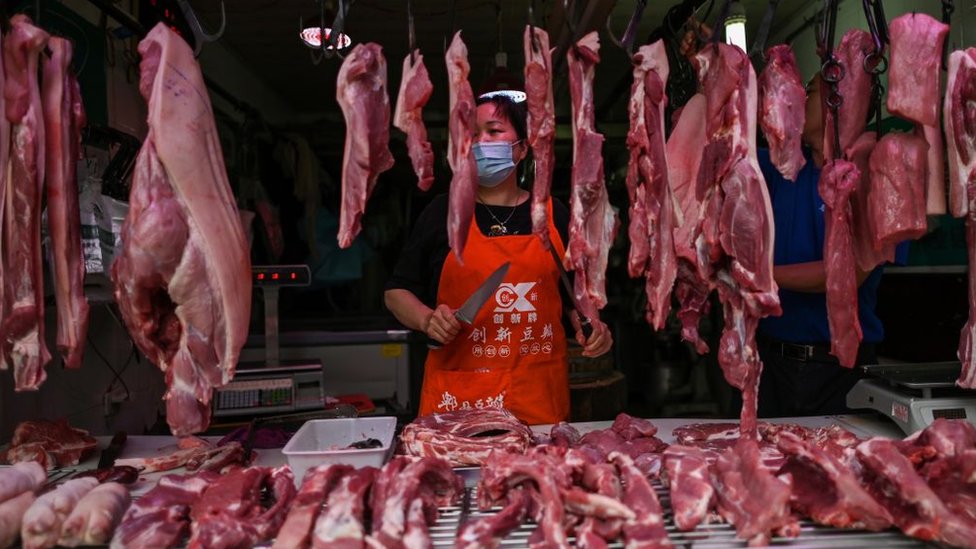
419 267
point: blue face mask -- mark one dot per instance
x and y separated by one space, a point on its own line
495 162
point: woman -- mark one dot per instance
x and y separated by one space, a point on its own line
514 354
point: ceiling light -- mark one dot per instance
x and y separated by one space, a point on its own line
311 37
514 95
735 26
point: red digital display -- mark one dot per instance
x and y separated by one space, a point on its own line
260 276
274 276
294 276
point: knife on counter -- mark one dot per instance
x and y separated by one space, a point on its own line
112 451
585 325
469 309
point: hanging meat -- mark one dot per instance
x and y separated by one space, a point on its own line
782 110
865 254
960 126
63 118
651 204
593 221
897 196
855 89
838 182
415 91
183 276
462 127
540 123
361 93
22 340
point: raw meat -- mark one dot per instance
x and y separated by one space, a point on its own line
914 74
4 183
897 196
22 342
692 495
161 516
838 181
25 476
749 496
415 91
53 444
203 458
465 437
959 115
230 513
540 123
429 479
948 437
489 531
782 110
646 529
826 490
630 427
12 515
462 127
592 221
854 88
564 434
95 517
63 119
183 276
361 94
863 230
318 483
341 524
44 518
651 203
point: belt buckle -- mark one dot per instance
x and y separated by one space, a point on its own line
797 352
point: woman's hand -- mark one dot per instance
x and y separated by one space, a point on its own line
441 325
599 342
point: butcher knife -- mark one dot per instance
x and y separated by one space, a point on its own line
585 325
469 309
111 453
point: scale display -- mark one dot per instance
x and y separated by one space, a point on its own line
281 275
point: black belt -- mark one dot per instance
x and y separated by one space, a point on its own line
803 352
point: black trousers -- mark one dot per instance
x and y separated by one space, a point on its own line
793 384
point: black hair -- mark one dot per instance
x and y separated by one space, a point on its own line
514 111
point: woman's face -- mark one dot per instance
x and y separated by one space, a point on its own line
494 127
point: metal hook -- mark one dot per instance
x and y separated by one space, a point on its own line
199 35
536 47
627 42
411 36
570 24
759 46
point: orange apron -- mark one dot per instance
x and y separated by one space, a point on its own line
514 354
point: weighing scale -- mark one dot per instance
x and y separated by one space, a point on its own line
914 395
273 387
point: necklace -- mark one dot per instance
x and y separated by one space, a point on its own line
499 228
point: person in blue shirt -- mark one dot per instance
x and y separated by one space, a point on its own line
800 377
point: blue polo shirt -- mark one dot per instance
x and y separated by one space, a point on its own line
798 213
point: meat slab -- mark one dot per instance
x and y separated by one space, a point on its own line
592 221
42 522
183 276
361 94
63 118
341 524
95 517
865 254
22 343
161 516
465 437
897 195
651 229
782 110
462 127
415 91
855 88
915 70
540 123
692 495
304 510
53 444
838 181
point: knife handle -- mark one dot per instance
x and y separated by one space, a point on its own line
433 344
585 326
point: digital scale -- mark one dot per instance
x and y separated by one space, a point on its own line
914 395
273 387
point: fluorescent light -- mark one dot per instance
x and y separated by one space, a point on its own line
311 38
735 26
514 95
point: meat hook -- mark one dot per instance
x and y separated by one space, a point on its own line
759 46
536 47
570 24
627 42
411 37
199 35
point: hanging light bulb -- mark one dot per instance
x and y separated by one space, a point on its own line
735 26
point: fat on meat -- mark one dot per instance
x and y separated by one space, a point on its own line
959 116
160 517
897 195
864 236
915 71
95 517
43 519
855 88
183 277
782 110
593 221
361 94
22 341
651 203
63 119
341 524
540 123
838 182
692 495
462 127
415 91
319 481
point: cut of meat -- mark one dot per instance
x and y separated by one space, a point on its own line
42 522
651 229
63 118
863 230
916 59
935 188
22 342
489 531
646 529
304 510
95 517
959 116
361 94
183 276
341 524
897 196
692 495
630 427
837 183
53 444
855 88
564 434
466 437
593 221
415 91
161 516
12 515
953 479
540 123
429 479
462 127
826 490
27 476
782 110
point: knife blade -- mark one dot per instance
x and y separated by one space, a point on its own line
112 451
585 325
469 309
